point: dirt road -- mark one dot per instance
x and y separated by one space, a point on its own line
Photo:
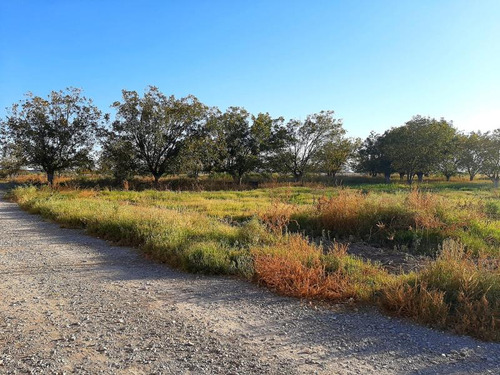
70 303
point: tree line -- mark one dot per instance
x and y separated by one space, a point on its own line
155 134
425 145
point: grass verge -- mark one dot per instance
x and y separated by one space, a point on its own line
459 290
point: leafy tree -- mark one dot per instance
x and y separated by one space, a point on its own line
471 154
56 133
449 163
417 147
373 156
157 126
11 160
303 141
335 154
203 152
245 143
491 156
117 157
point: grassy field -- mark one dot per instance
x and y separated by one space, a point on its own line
265 235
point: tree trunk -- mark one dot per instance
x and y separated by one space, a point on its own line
447 177
401 176
50 178
495 182
409 178
387 177
297 177
420 176
471 177
157 180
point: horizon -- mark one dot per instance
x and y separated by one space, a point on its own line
375 65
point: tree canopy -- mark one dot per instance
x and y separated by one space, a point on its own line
56 133
157 126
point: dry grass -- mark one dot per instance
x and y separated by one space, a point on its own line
455 291
460 290
295 268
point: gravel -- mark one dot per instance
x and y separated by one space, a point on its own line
70 303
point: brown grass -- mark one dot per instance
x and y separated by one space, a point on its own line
455 291
294 268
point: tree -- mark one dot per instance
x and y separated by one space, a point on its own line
117 157
299 150
491 156
157 126
335 154
471 153
245 144
373 156
203 152
416 147
54 134
449 163
11 160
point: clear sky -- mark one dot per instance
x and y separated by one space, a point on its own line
375 63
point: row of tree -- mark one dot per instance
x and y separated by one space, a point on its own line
424 145
159 134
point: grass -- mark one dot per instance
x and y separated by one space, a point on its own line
259 235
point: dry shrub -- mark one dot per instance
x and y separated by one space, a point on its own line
294 268
455 291
426 208
418 302
278 216
341 213
478 318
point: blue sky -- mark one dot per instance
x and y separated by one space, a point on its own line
376 63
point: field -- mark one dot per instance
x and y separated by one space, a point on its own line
295 240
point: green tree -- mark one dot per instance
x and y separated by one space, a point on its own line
245 142
335 154
417 147
157 126
11 160
117 157
373 156
491 156
471 153
56 133
204 151
303 140
449 162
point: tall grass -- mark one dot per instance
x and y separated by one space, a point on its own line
459 290
456 291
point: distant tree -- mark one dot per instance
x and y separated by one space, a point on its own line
204 151
491 156
417 147
335 154
157 126
471 153
449 162
118 157
373 156
245 142
56 133
11 160
300 147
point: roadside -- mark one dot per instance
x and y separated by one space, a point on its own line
73 303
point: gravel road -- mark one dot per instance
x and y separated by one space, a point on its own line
70 303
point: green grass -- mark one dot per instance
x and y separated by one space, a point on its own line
241 233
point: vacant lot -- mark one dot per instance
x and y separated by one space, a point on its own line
293 240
